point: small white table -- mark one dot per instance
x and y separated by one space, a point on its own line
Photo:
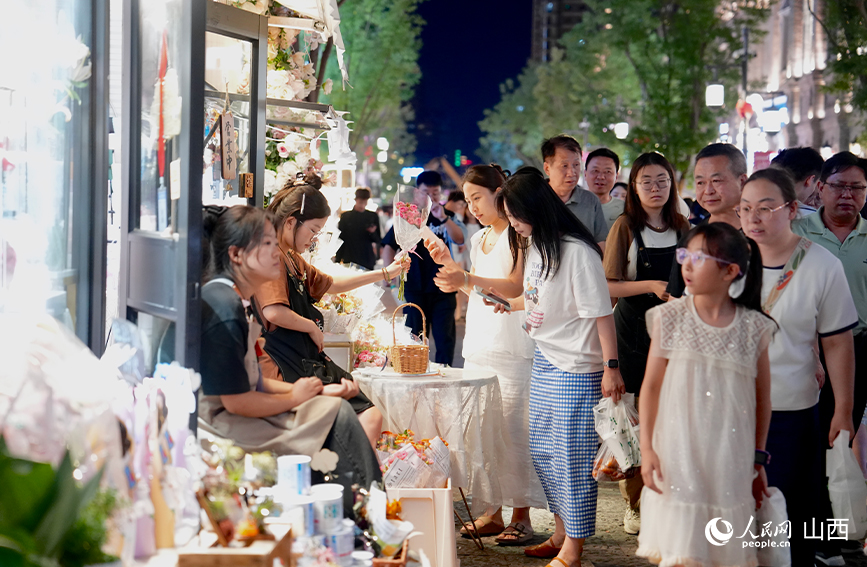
463 407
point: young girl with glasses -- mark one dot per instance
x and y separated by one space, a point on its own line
292 325
705 404
638 259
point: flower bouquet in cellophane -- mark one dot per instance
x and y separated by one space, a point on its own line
411 210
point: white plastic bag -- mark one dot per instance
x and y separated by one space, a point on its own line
773 512
617 426
846 487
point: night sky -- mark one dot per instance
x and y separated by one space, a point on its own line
469 48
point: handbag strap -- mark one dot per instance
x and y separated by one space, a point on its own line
789 270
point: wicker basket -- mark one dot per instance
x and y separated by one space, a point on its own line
410 359
399 560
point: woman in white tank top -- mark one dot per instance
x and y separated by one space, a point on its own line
498 344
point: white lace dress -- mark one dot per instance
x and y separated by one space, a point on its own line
704 436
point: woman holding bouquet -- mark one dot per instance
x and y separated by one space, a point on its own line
292 325
568 314
498 345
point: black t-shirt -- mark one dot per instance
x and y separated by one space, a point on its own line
224 342
356 247
423 269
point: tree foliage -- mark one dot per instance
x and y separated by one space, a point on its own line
845 24
382 42
645 62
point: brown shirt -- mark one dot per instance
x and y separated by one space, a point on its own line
617 245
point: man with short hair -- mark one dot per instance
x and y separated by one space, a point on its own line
600 174
359 231
838 227
562 164
805 166
419 288
720 173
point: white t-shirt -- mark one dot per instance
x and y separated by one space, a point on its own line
561 310
817 301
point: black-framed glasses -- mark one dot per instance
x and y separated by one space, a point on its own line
648 184
764 213
840 188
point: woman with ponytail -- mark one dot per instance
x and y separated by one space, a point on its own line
293 326
235 401
498 345
806 291
705 403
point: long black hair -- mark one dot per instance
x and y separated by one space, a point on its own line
223 227
530 199
725 242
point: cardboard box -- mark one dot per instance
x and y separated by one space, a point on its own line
430 511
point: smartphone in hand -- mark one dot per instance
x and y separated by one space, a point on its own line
493 298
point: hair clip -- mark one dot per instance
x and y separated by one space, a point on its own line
303 199
216 210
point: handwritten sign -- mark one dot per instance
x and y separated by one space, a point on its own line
228 146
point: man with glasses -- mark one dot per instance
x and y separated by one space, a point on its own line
600 173
720 173
419 288
838 227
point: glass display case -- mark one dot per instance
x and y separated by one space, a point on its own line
54 161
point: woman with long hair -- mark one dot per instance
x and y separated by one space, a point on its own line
639 254
292 325
568 314
498 345
235 401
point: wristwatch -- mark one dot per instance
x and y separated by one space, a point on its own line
612 363
762 457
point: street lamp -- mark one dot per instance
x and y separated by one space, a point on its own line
621 130
714 95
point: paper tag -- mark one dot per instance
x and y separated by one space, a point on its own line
175 179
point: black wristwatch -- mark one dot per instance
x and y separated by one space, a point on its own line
762 457
612 363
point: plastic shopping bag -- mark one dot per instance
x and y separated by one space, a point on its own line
773 515
617 426
846 487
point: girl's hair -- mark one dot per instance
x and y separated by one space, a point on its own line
725 242
636 216
223 227
531 200
779 177
301 199
490 176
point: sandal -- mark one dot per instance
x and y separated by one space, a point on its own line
551 564
545 550
515 533
487 530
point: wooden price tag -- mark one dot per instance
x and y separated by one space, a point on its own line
246 187
228 147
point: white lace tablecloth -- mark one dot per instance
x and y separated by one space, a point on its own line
463 407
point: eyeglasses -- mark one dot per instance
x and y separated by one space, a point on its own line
764 213
840 188
647 185
316 235
697 258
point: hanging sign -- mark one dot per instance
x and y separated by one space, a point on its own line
228 146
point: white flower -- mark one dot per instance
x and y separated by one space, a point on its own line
273 49
298 59
271 185
257 7
288 168
283 150
327 86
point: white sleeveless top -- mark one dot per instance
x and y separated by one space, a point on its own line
487 331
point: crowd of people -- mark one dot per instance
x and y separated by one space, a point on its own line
739 324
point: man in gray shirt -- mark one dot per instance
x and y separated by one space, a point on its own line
562 163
